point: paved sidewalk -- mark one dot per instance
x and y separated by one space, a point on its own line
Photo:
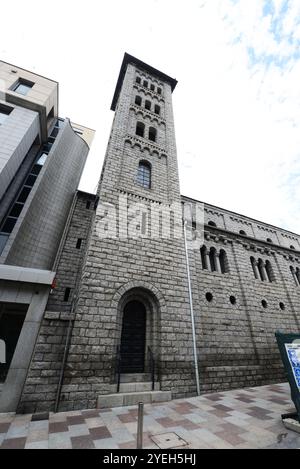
248 418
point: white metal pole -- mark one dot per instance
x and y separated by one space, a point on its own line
192 311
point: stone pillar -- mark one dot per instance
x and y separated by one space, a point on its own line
207 260
263 271
217 262
255 269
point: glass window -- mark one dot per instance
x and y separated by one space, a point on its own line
23 87
36 169
4 113
30 180
16 210
24 194
144 175
138 100
3 241
9 225
140 129
152 134
42 159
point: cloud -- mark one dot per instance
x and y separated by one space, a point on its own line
237 103
249 143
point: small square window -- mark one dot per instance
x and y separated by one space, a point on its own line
23 87
4 113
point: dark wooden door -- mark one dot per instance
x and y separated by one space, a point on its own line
133 338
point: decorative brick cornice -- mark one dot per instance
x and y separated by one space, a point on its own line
145 113
146 145
152 94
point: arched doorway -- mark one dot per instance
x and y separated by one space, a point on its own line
133 337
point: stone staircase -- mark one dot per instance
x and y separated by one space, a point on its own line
134 388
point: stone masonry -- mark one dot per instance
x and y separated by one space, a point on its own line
236 313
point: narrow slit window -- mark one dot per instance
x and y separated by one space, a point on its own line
152 134
67 294
138 100
79 243
140 129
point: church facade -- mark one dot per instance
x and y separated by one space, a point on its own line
135 305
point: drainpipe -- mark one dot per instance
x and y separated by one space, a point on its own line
192 310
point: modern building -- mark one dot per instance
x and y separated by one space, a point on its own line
41 161
117 327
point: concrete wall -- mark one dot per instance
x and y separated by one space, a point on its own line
17 134
42 97
28 287
37 233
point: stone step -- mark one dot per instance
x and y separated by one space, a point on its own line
132 398
135 377
138 387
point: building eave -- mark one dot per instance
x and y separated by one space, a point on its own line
142 65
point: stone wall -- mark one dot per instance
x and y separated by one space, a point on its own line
235 342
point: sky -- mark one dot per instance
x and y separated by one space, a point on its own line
236 105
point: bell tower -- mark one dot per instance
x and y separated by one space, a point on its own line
132 308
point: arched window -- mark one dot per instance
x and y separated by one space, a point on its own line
152 87
140 129
157 109
158 90
138 100
261 270
145 84
203 252
297 273
270 273
212 223
243 233
254 267
294 274
144 174
212 259
138 80
148 105
224 262
152 134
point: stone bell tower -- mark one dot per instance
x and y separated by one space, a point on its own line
132 312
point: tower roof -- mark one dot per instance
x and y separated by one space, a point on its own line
153 71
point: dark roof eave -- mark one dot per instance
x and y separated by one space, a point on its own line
153 71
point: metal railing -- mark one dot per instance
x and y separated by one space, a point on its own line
126 363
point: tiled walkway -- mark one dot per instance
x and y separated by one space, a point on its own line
248 418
